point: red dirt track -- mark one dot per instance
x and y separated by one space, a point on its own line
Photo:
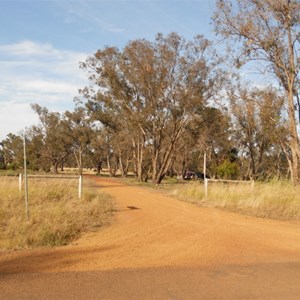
161 248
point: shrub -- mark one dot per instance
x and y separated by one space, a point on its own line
227 170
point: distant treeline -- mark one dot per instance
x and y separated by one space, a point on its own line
155 107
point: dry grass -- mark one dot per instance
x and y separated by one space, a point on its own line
56 215
277 199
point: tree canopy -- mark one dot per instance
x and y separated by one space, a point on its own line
267 31
156 108
153 89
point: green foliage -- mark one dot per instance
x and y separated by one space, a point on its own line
227 170
11 152
12 166
155 89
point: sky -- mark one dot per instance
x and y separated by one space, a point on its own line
43 41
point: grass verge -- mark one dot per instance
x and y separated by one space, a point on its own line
278 200
56 215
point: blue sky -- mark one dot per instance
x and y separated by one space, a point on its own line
42 43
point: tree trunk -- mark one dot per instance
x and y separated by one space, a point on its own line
134 158
252 162
294 142
126 167
78 157
55 167
285 151
140 160
109 165
121 165
99 167
166 162
155 165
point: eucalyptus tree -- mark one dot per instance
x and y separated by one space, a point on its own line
208 132
78 132
267 31
151 90
259 128
96 154
55 147
37 150
11 150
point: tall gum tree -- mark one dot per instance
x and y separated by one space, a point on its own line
79 132
267 31
258 127
55 147
153 89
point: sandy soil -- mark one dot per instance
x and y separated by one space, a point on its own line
161 248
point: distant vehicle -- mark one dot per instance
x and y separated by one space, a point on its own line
200 175
189 175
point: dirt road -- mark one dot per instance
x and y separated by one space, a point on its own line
161 248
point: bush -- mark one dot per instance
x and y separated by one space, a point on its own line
227 170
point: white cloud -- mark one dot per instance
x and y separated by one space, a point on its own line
15 117
52 87
36 73
28 48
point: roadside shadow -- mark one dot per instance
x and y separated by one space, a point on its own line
127 208
43 260
103 186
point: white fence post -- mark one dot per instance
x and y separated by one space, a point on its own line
205 187
80 187
20 182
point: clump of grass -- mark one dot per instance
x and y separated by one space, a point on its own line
8 173
278 199
56 215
